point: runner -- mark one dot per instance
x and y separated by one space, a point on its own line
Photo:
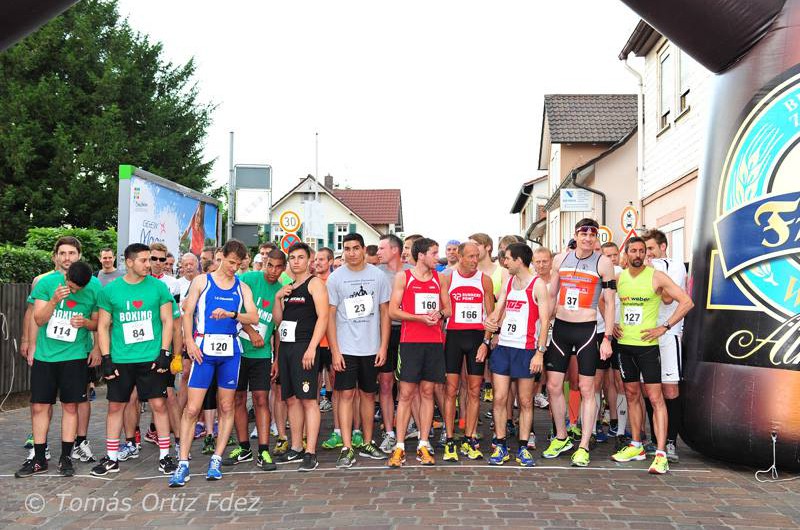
301 311
613 386
169 270
408 242
420 363
639 287
358 331
108 272
579 276
669 344
451 253
256 367
134 332
521 317
372 255
217 305
471 300
65 309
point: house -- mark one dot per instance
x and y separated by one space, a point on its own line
588 148
529 205
674 116
370 212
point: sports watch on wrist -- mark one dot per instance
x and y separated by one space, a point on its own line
666 325
541 349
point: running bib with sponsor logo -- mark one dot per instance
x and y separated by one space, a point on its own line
218 345
61 329
424 303
571 299
358 307
632 315
137 331
260 328
468 313
287 331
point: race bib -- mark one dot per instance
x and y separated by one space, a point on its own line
358 307
61 329
512 328
424 303
217 345
571 299
632 315
138 331
260 328
468 314
286 331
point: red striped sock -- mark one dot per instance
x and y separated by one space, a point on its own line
112 448
163 446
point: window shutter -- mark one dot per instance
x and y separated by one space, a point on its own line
331 234
267 232
352 228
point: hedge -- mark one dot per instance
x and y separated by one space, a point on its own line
92 240
22 265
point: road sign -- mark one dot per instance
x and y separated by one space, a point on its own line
604 235
629 219
290 221
631 234
287 241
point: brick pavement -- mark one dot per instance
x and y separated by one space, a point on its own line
698 493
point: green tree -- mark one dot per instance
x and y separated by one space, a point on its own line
80 96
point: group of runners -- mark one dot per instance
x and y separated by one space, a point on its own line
409 334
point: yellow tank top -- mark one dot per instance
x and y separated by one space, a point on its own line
638 306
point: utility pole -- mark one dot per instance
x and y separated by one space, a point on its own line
230 191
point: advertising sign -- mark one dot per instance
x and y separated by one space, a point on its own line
576 200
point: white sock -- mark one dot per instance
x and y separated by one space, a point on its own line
622 413
400 445
338 431
391 433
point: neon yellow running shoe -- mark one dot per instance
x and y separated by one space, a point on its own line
557 447
580 458
660 465
628 453
450 453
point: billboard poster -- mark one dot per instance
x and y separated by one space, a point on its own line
153 209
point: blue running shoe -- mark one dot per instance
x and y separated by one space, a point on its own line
180 477
214 472
612 432
601 436
499 455
525 458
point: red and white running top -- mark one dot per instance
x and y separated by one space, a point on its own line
466 300
521 317
420 298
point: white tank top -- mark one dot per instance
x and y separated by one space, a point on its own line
519 328
466 299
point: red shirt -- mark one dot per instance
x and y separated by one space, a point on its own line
420 298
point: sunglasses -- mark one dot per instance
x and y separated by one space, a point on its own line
162 260
586 229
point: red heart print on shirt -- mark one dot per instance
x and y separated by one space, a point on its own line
137 304
71 303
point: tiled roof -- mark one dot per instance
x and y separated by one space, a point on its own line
377 207
589 118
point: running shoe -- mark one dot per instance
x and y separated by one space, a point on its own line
450 453
92 394
251 415
333 441
525 458
580 458
254 433
347 457
471 449
273 429
540 401
511 429
309 463
214 468
370 451
151 436
105 467
557 447
442 441
358 439
600 435
672 451
28 442
178 452
238 455
612 431
325 405
232 440
499 456
167 465
264 461
291 456
281 447
398 458
31 467
65 467
82 452
488 394
412 431
575 433
209 444
628 453
128 451
180 477
650 449
532 442
388 443
425 456
199 431
660 465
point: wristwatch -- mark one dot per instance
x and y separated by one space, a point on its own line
235 314
541 349
487 342
666 325
609 338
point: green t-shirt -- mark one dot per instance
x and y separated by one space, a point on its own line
135 318
58 341
264 298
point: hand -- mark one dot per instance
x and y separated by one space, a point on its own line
194 352
255 339
483 351
285 291
308 358
617 331
436 316
94 359
491 325
430 320
380 359
29 357
108 369
605 349
338 362
23 349
653 334
61 293
219 314
537 363
273 373
78 321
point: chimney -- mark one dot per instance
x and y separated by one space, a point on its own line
329 181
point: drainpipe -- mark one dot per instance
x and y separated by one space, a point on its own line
602 195
640 135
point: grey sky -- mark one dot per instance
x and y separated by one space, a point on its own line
442 99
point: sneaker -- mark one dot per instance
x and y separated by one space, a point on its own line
199 431
358 439
215 430
580 458
251 415
92 394
281 447
31 467
488 394
273 430
378 414
540 401
264 461
347 457
214 469
105 467
511 429
167 465
532 442
232 440
237 456
557 447
209 445
471 449
82 452
489 415
412 431
28 442
151 436
525 458
601 436
612 431
450 453
254 433
499 456
178 452
128 451
291 456
325 405
425 456
628 453
621 441
309 463
442 441
180 477
398 458
334 441
672 451
388 443
575 433
650 449
660 465
370 451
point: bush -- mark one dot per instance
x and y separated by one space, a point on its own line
22 265
92 240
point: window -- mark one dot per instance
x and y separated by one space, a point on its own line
666 87
277 232
675 240
684 68
342 229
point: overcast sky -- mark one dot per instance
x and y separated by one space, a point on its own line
442 99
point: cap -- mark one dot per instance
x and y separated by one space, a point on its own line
258 259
